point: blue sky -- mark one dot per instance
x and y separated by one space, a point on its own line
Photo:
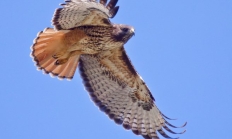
182 49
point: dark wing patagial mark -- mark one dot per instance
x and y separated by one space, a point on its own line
128 62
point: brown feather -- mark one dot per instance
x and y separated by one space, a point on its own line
118 90
114 11
75 14
55 20
86 33
103 2
111 4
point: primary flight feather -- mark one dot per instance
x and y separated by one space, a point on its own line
84 37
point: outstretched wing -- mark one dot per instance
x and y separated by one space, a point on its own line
76 13
119 91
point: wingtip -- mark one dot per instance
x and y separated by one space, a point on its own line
168 117
114 11
183 132
170 131
166 122
161 132
111 4
184 124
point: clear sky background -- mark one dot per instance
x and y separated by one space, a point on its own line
182 49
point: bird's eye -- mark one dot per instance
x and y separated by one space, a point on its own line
124 29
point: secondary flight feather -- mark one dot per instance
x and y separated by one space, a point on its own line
84 37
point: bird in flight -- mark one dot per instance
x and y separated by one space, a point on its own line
84 37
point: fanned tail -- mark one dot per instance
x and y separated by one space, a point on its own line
47 44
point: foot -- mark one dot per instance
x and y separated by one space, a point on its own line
61 61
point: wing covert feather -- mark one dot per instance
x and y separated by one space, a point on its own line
117 89
76 13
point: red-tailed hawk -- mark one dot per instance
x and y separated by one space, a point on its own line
83 36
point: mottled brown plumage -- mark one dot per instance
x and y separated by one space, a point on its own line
84 35
118 90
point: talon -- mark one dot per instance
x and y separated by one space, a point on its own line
55 56
57 62
61 61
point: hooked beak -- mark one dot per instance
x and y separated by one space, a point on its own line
132 31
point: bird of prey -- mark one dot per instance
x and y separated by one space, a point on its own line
84 37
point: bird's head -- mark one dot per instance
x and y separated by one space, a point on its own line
122 33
